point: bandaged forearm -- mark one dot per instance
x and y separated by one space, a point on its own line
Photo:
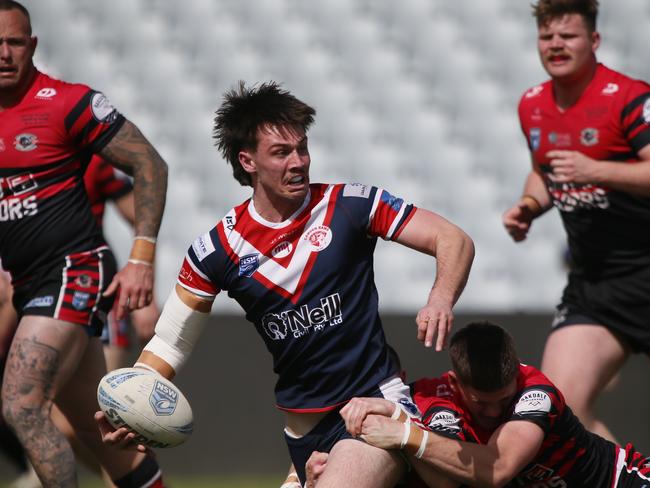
177 330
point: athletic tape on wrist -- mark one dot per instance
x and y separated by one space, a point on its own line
399 414
291 484
139 261
143 250
177 330
423 445
145 366
405 435
145 238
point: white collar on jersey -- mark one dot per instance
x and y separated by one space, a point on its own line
277 225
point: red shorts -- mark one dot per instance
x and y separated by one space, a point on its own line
71 290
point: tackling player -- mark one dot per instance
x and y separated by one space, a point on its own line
492 421
63 274
588 130
298 257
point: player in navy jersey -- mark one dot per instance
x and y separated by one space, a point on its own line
588 130
492 421
298 257
63 274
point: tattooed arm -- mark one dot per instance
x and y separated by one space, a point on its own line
130 151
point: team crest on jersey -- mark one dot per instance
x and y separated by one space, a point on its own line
102 109
282 250
25 142
80 300
535 137
646 111
534 401
319 237
248 264
45 93
589 136
610 89
83 281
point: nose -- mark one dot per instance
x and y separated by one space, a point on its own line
5 52
556 42
299 159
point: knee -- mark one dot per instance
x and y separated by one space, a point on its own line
21 416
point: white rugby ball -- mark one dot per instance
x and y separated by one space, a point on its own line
147 404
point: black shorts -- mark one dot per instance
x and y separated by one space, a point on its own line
620 303
71 290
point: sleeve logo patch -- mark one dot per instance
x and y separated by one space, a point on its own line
646 111
102 109
445 420
393 202
356 190
203 246
534 401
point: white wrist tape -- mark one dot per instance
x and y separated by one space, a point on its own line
177 330
396 412
423 445
405 435
291 484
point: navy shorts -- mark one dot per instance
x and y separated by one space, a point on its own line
71 290
620 303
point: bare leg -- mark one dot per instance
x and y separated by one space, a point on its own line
355 464
581 360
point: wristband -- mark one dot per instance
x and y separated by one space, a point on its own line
399 414
536 206
423 445
145 366
143 250
145 238
292 481
139 261
405 435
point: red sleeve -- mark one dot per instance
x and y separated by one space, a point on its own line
635 115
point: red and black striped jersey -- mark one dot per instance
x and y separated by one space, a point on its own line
46 141
608 230
104 182
569 456
307 284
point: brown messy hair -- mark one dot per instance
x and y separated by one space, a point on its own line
483 356
545 11
245 110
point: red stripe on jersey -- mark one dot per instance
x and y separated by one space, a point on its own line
189 278
57 188
408 218
388 211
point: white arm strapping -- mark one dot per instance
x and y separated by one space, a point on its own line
177 330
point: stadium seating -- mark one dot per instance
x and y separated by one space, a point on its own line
418 96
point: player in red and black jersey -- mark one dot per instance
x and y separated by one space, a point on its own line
588 131
63 274
492 421
298 257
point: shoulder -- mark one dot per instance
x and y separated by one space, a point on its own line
536 393
534 94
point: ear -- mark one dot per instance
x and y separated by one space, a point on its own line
247 162
595 41
453 381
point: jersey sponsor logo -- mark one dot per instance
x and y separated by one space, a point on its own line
16 208
282 250
589 136
299 322
534 91
610 89
535 137
534 401
230 222
541 476
446 421
45 93
102 109
559 139
37 302
25 142
318 237
80 300
248 265
646 111
356 190
203 246
568 197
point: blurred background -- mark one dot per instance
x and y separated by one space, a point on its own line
417 96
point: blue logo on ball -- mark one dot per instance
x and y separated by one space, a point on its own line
163 399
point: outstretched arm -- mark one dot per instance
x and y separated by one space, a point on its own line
130 151
430 233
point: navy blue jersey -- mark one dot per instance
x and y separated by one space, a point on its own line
307 284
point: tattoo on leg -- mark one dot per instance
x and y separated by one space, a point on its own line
27 400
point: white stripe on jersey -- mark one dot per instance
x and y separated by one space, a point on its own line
397 220
375 204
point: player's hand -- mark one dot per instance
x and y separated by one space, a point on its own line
434 322
120 438
315 467
382 432
357 409
571 167
517 221
135 284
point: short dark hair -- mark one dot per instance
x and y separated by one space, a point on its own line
547 10
245 110
13 5
483 356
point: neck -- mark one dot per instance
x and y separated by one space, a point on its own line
568 90
11 97
275 210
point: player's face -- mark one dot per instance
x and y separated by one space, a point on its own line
16 50
567 47
489 409
279 167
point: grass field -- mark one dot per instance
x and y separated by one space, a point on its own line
196 482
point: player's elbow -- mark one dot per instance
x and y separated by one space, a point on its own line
504 473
